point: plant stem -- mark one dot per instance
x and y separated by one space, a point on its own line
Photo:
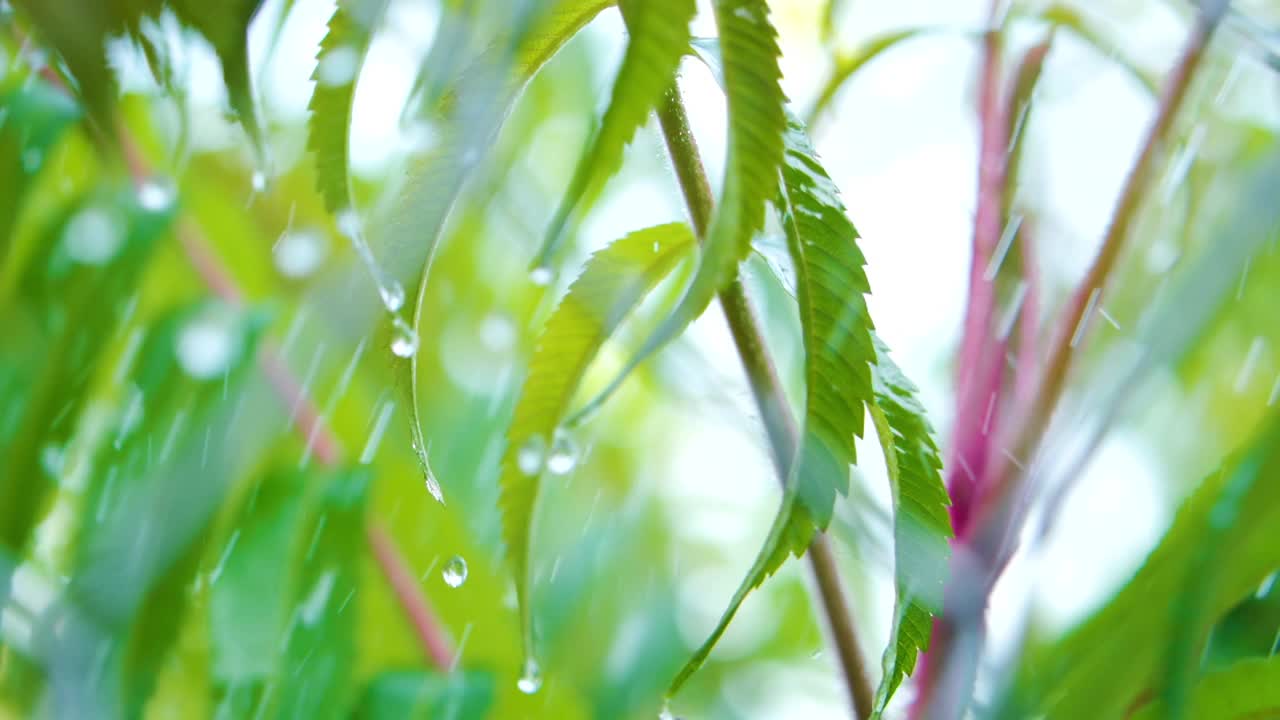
775 412
434 644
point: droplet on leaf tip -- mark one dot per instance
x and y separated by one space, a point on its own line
532 455
531 681
404 339
563 456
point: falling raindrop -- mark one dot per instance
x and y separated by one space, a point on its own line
404 339
455 571
563 456
531 455
155 195
540 276
338 67
531 681
94 235
299 253
207 345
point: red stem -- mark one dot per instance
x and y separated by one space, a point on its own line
435 646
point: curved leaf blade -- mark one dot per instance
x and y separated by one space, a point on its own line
757 123
922 524
342 53
659 39
839 355
613 283
1246 689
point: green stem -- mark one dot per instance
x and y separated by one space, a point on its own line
775 412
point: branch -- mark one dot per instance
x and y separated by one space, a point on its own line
767 390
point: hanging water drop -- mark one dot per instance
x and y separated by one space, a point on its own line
392 293
455 571
540 276
259 181
404 339
665 713
563 456
531 455
531 681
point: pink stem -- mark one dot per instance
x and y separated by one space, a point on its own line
435 646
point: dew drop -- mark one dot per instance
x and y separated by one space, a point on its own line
207 345
94 235
337 67
540 276
563 456
155 195
259 181
455 571
404 339
531 681
392 294
531 455
299 253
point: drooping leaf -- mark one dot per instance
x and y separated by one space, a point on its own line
418 695
922 525
613 283
839 356
749 51
1247 689
342 53
469 116
659 32
320 654
1102 666
225 24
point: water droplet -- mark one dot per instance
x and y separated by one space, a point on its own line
531 455
259 181
540 276
51 458
455 571
665 713
313 606
298 253
207 345
31 160
563 456
338 67
655 246
392 294
155 195
497 332
94 235
404 339
531 681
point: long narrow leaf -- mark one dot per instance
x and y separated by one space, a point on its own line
659 38
757 123
614 282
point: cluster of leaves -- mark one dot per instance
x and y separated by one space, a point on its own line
268 553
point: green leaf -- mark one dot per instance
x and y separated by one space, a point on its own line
419 695
225 24
839 356
757 123
320 655
922 526
659 39
342 53
71 295
472 113
613 283
1102 666
1247 689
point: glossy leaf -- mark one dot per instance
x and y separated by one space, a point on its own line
342 53
922 525
659 32
614 281
839 356
1247 689
749 51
